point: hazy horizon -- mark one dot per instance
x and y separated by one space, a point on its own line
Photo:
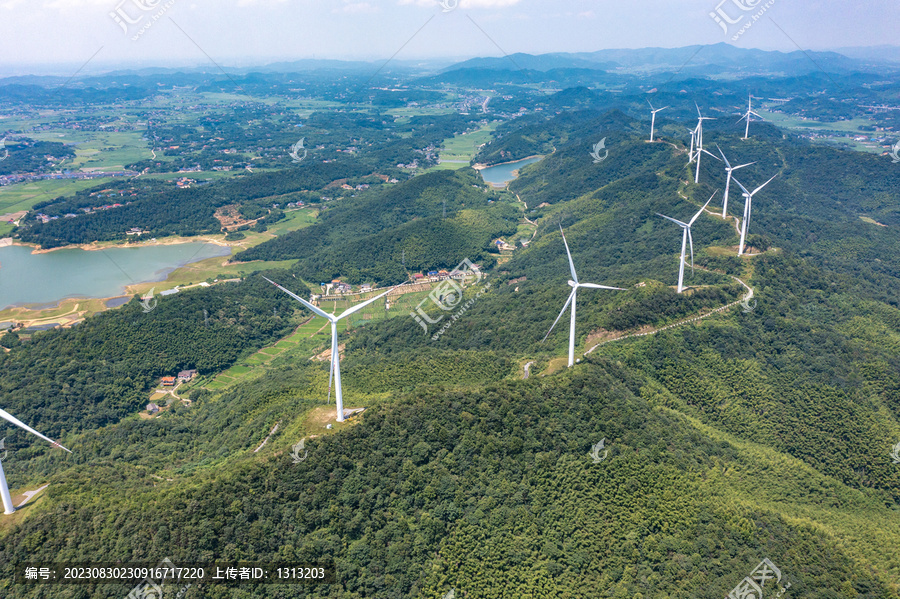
102 35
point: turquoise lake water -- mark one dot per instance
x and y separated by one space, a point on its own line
501 174
45 279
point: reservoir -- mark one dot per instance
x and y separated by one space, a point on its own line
45 279
501 174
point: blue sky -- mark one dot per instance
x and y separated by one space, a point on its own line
63 33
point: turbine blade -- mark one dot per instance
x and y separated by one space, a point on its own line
734 168
561 312
677 222
318 311
691 241
705 151
595 286
569 254
331 373
741 186
359 307
10 418
728 164
696 216
764 184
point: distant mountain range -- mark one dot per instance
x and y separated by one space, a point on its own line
713 59
716 60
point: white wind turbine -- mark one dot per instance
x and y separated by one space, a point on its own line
699 130
8 507
335 368
748 116
575 285
653 119
693 139
729 170
748 200
686 238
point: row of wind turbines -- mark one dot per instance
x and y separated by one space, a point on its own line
687 241
334 373
696 150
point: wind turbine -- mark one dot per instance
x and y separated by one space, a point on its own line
699 130
575 285
729 169
685 238
335 368
693 138
653 119
748 200
748 117
8 507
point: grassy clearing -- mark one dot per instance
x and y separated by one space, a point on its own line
22 196
461 149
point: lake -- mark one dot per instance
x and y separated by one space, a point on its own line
45 279
501 174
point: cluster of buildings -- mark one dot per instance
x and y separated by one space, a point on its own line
23 177
183 376
434 276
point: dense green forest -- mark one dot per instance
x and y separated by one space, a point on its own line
383 237
762 431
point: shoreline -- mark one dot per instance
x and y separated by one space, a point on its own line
106 245
480 167
67 308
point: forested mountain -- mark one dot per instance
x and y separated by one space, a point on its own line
761 431
383 236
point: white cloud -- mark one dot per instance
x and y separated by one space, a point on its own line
464 3
256 2
355 8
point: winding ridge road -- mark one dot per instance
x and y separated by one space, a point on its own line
745 301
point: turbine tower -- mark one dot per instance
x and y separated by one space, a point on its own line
699 130
729 170
653 119
686 238
747 116
8 507
335 368
575 285
748 200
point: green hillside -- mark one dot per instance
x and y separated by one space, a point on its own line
761 431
